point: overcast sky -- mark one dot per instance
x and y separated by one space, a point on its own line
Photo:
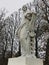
13 5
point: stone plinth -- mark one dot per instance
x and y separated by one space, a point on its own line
24 61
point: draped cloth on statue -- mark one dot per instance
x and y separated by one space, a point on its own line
26 33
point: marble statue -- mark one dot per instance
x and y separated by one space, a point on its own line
26 32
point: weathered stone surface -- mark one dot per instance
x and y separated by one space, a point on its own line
25 61
26 31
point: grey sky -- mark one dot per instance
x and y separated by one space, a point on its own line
13 5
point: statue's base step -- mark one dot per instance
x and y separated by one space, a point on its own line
24 61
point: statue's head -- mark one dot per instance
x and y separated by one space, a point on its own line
28 16
27 13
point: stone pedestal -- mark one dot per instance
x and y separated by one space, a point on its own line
25 61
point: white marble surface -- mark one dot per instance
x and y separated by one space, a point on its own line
25 61
17 61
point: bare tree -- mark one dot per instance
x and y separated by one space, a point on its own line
2 36
42 10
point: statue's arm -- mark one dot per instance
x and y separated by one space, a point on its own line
19 29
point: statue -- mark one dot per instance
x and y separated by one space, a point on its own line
26 32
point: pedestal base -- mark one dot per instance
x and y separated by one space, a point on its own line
24 61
